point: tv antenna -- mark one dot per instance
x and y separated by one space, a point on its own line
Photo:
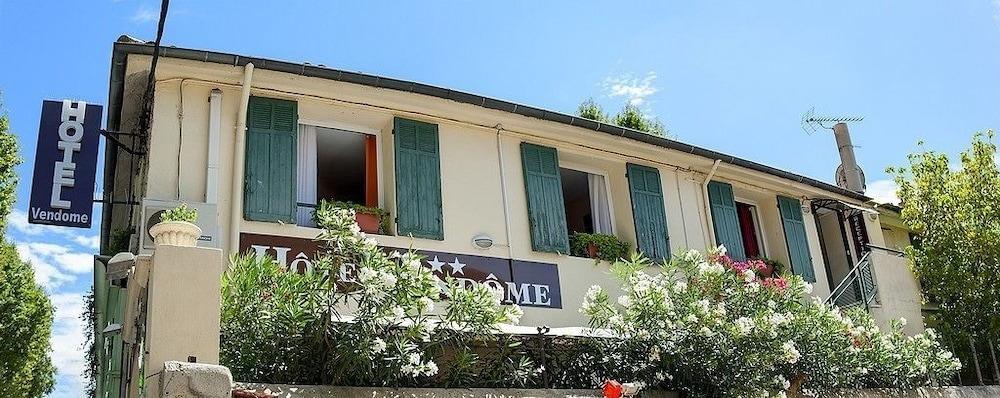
810 121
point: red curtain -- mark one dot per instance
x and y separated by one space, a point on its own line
748 230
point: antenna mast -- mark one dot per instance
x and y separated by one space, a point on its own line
849 175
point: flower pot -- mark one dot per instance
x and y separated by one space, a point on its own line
369 223
176 233
591 250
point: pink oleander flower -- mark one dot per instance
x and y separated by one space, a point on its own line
777 283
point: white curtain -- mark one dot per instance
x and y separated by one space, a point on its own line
599 207
306 175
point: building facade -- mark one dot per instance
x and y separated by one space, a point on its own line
489 191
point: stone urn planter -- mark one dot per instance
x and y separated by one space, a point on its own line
176 233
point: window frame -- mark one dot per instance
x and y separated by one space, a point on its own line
607 187
758 227
353 128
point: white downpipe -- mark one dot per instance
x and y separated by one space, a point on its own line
503 194
239 151
709 234
214 136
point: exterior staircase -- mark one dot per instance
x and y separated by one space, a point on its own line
858 287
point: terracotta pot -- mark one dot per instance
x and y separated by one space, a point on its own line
591 250
175 233
768 270
369 223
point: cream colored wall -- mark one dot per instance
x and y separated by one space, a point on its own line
471 185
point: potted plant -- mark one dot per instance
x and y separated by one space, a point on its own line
372 220
598 246
771 267
176 227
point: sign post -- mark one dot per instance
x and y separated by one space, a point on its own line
62 186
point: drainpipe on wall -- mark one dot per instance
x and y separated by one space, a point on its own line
239 150
503 194
214 136
709 234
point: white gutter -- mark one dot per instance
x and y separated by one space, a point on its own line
214 136
239 151
709 233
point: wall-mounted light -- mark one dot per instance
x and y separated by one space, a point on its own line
482 241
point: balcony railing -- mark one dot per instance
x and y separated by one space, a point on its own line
858 287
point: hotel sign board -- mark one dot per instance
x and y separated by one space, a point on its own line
526 283
62 186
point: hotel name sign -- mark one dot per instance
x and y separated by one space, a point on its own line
62 186
525 283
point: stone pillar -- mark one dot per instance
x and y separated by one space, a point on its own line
183 308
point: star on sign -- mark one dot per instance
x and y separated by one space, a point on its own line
436 264
456 267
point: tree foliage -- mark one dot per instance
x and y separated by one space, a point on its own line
25 311
630 117
955 212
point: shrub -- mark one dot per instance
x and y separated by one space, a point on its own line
385 325
180 213
710 326
609 247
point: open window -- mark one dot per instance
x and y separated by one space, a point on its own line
750 232
334 165
586 201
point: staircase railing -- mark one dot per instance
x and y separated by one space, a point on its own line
858 286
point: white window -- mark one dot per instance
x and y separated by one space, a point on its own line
335 165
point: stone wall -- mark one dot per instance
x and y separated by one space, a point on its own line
937 392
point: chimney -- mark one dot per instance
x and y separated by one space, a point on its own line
849 174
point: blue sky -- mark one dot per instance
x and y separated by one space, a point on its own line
733 76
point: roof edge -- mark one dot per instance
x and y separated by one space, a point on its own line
126 45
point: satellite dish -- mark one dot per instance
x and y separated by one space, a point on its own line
842 179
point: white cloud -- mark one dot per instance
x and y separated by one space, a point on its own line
143 15
54 264
46 274
18 220
634 90
68 354
883 191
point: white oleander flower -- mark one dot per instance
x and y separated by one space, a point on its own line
430 368
807 288
624 301
414 358
426 304
378 346
680 286
789 352
398 312
744 325
514 314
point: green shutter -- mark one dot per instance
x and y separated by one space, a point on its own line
269 177
724 219
647 209
418 180
546 209
795 238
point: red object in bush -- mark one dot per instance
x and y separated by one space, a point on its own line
613 389
369 223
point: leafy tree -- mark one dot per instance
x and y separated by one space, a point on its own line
25 311
633 118
630 117
956 214
592 110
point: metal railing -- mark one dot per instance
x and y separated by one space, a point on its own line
858 286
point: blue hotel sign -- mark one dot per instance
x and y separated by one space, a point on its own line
62 186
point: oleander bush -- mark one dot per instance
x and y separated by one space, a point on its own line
385 325
711 326
701 324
